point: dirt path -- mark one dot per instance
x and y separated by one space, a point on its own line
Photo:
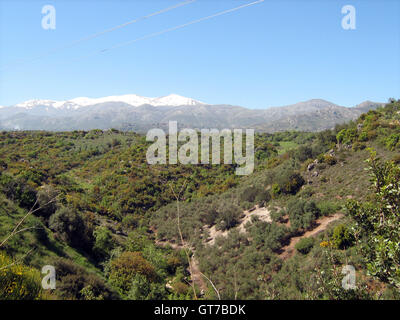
322 224
261 212
197 278
195 273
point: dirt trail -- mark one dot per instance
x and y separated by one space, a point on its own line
322 224
195 273
197 277
261 212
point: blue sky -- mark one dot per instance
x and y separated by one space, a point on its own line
273 53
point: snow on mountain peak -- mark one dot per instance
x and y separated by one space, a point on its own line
173 100
29 104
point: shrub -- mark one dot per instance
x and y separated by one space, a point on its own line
3 165
328 207
172 264
347 136
180 288
290 182
305 245
18 190
393 141
269 235
307 192
342 237
46 201
228 215
250 193
330 160
73 282
18 282
358 146
69 227
103 242
141 289
275 190
302 214
396 159
126 266
277 215
130 221
274 162
303 153
208 213
363 136
263 198
372 134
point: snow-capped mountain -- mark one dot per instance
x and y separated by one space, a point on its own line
137 113
172 100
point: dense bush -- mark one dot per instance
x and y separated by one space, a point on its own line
303 153
17 189
393 141
330 160
130 221
328 207
290 182
69 227
358 146
228 215
46 199
268 235
302 213
103 176
255 195
104 242
347 136
72 280
263 198
126 267
142 289
18 282
304 245
342 237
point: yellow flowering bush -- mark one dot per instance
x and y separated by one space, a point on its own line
325 244
18 282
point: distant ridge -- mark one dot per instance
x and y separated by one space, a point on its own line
134 112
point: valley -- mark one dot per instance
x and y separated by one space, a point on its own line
115 227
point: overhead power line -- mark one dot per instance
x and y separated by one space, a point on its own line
95 35
151 35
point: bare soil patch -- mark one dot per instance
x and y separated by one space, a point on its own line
321 225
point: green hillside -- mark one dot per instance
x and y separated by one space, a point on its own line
115 227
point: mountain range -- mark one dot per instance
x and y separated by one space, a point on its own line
134 112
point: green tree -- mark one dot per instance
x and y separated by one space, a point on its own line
69 226
377 222
46 200
103 241
302 214
305 245
126 266
342 237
